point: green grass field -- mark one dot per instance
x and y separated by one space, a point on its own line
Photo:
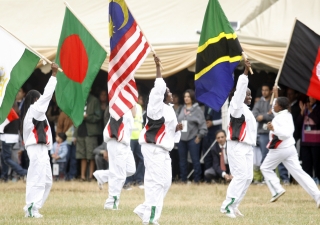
82 203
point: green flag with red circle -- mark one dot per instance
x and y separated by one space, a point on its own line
80 56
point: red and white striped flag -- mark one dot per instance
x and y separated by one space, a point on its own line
129 48
11 117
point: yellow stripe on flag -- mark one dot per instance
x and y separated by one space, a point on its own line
216 39
220 60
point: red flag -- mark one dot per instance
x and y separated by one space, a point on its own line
129 48
11 117
301 67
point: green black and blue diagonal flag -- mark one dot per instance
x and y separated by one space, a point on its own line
218 54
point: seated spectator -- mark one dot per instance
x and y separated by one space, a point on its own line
101 156
220 165
58 153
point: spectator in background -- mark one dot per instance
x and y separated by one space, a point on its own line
194 129
65 125
87 135
213 121
103 98
52 115
101 156
20 101
138 177
220 165
59 153
293 95
174 154
309 124
9 138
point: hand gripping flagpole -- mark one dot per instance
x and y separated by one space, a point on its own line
202 158
44 59
152 49
280 69
246 58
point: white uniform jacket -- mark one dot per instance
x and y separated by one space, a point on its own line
36 128
242 125
160 128
119 130
282 136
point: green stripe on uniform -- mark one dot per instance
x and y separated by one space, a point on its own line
227 207
153 213
114 202
30 210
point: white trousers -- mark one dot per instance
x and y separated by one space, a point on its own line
39 178
121 165
240 157
157 181
289 157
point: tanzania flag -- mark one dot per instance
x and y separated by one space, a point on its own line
16 65
80 56
301 67
218 54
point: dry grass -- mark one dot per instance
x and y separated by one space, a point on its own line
82 203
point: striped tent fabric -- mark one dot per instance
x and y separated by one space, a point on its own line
129 48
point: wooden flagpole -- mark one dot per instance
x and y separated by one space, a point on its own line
71 10
152 49
30 48
245 58
285 54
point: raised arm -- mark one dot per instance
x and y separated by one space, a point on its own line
41 105
154 108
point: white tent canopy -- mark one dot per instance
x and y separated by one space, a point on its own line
170 26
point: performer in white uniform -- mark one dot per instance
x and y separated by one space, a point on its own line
282 150
121 162
38 141
157 138
241 136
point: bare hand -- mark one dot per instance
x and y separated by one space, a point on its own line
247 64
227 177
259 118
209 123
270 126
54 68
302 107
275 91
156 60
105 155
179 127
197 140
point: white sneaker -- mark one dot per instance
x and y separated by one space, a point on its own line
238 213
278 195
230 214
141 186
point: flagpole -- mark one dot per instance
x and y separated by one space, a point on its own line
285 54
68 6
30 48
152 49
246 58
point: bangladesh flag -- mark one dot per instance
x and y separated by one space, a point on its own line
301 67
80 56
16 65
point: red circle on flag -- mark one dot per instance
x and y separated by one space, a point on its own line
74 58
